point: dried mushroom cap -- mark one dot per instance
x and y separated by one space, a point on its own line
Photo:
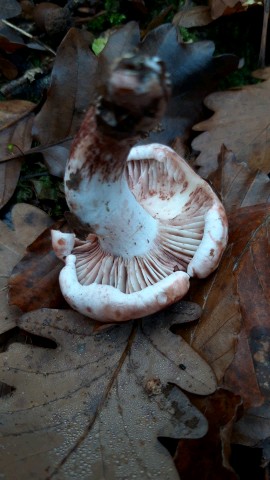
155 222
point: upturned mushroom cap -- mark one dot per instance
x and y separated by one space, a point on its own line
192 235
155 222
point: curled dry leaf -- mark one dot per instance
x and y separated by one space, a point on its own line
232 125
16 119
83 407
28 222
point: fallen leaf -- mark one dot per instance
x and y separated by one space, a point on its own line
215 337
249 372
9 9
28 222
212 452
241 123
16 119
197 16
228 7
72 89
236 184
83 407
34 281
194 73
252 274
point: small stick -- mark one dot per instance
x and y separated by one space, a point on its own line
26 34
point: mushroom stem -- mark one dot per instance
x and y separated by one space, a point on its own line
98 193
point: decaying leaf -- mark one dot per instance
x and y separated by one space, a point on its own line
241 123
86 406
28 222
212 452
249 371
16 119
216 335
34 280
252 274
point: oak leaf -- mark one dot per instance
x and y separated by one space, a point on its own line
240 122
85 406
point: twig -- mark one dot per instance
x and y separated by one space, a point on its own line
29 76
261 61
26 34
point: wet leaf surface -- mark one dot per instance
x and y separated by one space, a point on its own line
71 411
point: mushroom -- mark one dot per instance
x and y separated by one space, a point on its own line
153 221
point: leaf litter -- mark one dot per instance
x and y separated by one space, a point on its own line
215 341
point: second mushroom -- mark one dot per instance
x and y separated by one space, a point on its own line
154 222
